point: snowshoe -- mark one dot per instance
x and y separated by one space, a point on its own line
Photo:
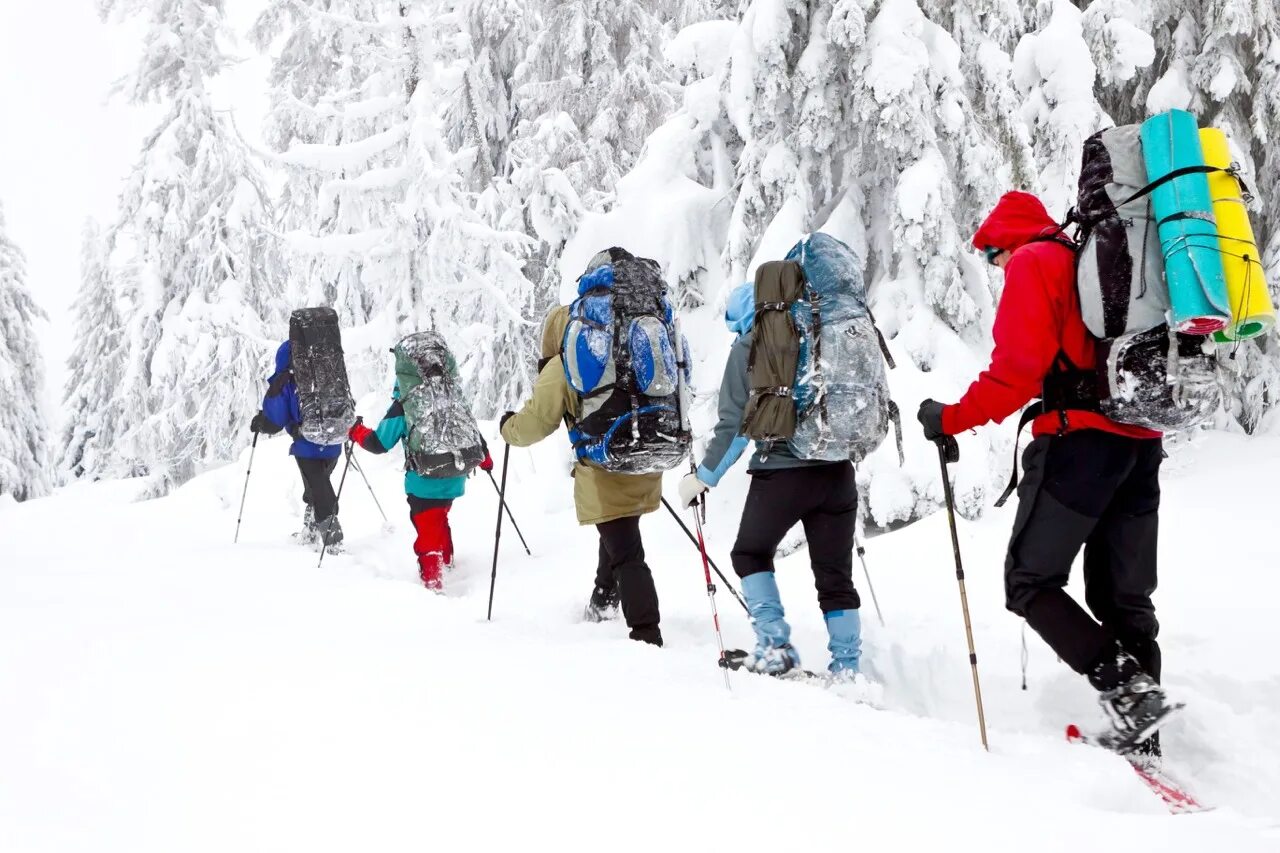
307 535
602 606
1137 708
771 660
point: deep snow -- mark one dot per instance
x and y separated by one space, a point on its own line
162 689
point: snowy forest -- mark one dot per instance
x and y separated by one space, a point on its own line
455 163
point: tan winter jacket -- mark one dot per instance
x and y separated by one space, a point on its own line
598 495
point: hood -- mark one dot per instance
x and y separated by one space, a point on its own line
740 312
1017 219
553 332
283 355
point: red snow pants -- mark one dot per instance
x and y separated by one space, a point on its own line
434 544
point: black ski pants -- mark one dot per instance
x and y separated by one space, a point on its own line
622 567
1099 491
824 498
317 488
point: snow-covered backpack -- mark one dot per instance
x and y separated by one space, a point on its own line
625 359
320 376
817 363
1146 374
441 436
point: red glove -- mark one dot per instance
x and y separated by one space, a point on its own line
359 433
486 464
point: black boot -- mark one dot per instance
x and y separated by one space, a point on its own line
1136 705
602 606
329 533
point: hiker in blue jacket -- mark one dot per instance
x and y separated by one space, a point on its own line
316 462
785 489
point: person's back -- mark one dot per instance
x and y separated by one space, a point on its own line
316 462
613 502
1088 482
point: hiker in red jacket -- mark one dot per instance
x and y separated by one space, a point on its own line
1089 482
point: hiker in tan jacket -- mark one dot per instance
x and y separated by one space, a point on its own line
612 502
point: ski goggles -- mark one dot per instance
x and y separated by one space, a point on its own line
992 252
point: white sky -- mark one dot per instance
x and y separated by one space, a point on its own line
66 143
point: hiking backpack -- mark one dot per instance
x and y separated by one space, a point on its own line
817 363
626 360
441 436
1146 374
320 376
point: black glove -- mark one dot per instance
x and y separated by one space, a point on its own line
259 423
930 417
502 421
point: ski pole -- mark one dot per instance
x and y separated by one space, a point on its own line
711 596
497 533
324 547
372 493
862 555
510 517
948 452
252 449
715 568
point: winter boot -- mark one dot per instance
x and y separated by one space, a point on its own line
774 653
431 570
1136 705
329 534
307 535
602 606
844 632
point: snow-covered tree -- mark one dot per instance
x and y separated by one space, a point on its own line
197 275
95 368
591 88
24 430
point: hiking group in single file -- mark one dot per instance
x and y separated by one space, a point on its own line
1106 338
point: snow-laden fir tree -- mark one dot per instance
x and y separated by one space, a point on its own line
24 430
591 88
338 121
198 283
383 219
95 369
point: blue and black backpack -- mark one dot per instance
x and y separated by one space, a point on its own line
626 360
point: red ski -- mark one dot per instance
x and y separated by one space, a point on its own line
1174 795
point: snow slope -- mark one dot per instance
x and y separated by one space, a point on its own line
164 690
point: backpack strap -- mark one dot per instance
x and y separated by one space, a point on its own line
1065 388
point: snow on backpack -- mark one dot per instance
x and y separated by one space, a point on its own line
625 359
1146 375
817 363
441 438
320 376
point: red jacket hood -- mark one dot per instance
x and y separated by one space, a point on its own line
1018 218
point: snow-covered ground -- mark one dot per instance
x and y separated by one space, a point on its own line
164 690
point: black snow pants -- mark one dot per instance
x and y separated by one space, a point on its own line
1100 491
824 498
622 567
317 487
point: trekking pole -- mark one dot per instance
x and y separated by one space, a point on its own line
372 493
715 568
711 596
948 452
497 534
510 517
862 555
252 449
324 546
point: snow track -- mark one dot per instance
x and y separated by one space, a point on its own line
162 690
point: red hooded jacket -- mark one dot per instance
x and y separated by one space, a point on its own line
1038 317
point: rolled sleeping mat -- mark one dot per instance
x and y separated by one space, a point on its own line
1185 223
1252 312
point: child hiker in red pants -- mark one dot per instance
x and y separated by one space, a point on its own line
430 497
